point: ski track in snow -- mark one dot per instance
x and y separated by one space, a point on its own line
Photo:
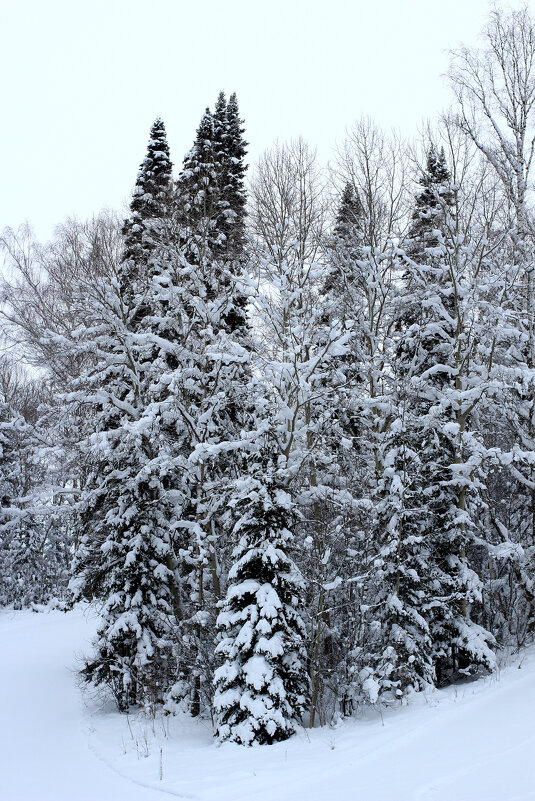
473 742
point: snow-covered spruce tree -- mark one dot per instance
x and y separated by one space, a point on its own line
231 150
115 314
198 195
343 294
429 484
211 198
262 686
341 302
396 652
126 558
150 203
209 386
450 453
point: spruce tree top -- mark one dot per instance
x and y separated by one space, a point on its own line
233 183
220 117
149 199
431 204
350 214
197 181
435 181
211 183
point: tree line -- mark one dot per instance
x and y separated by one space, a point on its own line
282 434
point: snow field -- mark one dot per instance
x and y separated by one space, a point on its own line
472 742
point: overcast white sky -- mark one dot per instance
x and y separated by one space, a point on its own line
81 82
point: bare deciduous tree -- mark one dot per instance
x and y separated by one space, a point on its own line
47 288
495 88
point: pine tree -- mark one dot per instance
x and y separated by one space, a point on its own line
350 220
358 293
133 648
432 204
262 685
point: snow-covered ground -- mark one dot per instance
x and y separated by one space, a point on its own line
474 742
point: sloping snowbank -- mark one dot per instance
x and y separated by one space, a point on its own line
473 742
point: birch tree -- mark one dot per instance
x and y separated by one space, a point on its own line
495 89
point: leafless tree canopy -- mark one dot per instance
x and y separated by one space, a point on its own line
45 288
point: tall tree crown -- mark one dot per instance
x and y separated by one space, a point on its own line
150 196
432 204
350 213
211 185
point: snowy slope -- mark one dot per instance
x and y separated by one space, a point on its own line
470 743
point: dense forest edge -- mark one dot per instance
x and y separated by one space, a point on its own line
279 427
